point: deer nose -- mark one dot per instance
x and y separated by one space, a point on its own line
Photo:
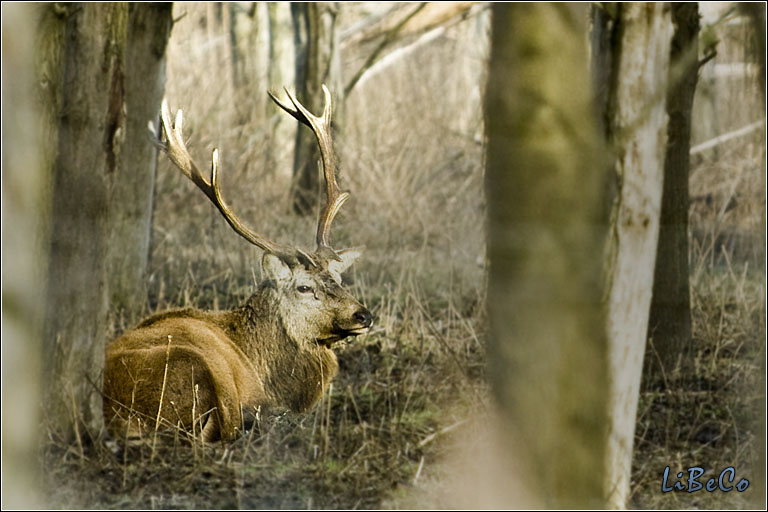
363 317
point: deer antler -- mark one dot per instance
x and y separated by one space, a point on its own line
177 151
321 126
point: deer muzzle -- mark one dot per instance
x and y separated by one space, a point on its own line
359 323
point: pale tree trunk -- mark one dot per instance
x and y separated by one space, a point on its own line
282 73
246 27
669 329
100 165
249 50
317 63
217 25
25 218
547 358
638 124
263 58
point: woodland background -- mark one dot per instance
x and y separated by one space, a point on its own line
98 231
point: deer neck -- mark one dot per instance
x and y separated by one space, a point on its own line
297 371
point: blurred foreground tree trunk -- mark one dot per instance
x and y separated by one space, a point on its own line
669 328
636 122
25 218
317 63
100 68
547 357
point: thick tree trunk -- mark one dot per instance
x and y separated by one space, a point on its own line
25 214
546 348
637 126
317 63
89 130
100 91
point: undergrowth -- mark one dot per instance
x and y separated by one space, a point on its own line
709 412
417 378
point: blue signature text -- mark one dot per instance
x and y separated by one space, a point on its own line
723 482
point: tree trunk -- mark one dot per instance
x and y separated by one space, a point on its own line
669 328
637 127
317 63
103 171
25 214
245 28
546 347
249 50
282 73
132 185
756 13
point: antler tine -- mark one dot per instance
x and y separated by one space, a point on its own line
321 126
177 151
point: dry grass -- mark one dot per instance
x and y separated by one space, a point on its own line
411 154
417 207
709 413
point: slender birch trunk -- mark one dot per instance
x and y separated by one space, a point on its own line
637 125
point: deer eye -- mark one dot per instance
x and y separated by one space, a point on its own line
304 289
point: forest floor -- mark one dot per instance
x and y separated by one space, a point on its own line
415 385
366 439
381 434
710 411
369 439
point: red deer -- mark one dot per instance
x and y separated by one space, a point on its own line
201 370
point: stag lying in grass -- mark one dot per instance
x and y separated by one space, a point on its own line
200 370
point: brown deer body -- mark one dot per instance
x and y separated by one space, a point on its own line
196 369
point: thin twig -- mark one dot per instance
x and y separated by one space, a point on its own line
418 471
711 143
442 431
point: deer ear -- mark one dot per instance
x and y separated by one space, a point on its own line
272 267
348 257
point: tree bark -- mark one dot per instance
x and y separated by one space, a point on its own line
669 328
547 358
317 63
100 89
132 185
637 128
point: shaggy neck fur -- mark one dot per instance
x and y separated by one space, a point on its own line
296 371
